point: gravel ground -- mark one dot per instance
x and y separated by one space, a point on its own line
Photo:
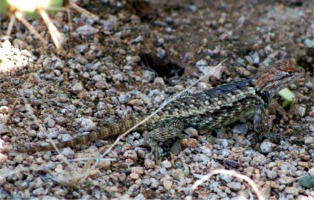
129 60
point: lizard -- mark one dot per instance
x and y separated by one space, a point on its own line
209 109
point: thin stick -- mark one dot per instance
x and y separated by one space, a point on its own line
12 20
55 34
81 10
146 119
21 18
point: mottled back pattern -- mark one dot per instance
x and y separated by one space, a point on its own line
209 109
215 107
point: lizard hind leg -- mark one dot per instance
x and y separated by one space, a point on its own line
166 131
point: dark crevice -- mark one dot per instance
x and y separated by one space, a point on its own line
304 62
162 67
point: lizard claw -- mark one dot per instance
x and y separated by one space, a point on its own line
155 154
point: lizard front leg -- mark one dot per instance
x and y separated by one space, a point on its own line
163 133
261 124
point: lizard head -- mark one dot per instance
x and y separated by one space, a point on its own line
277 76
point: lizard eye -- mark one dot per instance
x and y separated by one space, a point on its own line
290 70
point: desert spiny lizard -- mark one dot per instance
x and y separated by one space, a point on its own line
209 109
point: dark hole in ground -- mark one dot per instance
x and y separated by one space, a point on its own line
143 9
161 67
305 62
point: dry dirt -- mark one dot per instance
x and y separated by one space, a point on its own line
130 60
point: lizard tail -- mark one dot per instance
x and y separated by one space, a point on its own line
97 134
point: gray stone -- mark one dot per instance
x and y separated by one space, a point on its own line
240 129
266 147
77 88
307 181
86 30
39 191
309 43
123 98
201 63
301 110
235 186
148 75
138 39
68 152
272 174
161 53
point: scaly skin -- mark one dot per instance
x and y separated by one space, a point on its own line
209 109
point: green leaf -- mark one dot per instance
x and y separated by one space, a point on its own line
287 96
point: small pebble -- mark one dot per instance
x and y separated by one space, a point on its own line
309 140
154 183
136 102
100 85
85 124
77 88
6 44
204 159
66 137
68 152
149 164
110 24
201 63
224 143
53 134
210 52
305 157
86 30
235 186
134 176
240 129
307 181
94 173
132 191
4 109
167 182
312 157
131 154
311 128
202 86
39 191
189 142
286 180
138 39
123 98
104 164
255 58
148 75
311 171
292 190
51 123
231 163
192 132
225 177
309 43
140 197
118 77
101 105
266 147
301 110
271 174
166 164
161 53
161 41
